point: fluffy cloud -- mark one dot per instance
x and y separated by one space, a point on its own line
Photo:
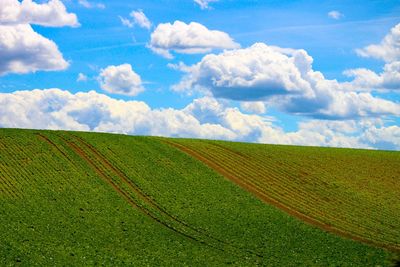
88 4
368 80
50 14
250 74
203 118
281 77
334 14
388 50
120 80
189 38
204 3
22 50
389 78
138 18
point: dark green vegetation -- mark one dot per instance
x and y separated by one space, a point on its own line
91 199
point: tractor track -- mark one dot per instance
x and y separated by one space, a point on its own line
83 149
133 186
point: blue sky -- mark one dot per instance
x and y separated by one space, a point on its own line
336 110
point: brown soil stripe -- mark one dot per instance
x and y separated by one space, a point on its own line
236 169
52 144
261 195
262 173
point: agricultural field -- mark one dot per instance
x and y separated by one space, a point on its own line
101 199
354 193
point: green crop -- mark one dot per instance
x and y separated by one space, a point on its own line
351 192
69 198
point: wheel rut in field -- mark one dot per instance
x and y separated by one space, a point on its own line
136 197
255 190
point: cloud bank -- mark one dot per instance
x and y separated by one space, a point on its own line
203 118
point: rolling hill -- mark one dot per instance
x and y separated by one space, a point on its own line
104 199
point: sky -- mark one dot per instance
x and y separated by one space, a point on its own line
318 73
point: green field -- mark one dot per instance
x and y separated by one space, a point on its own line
70 198
351 192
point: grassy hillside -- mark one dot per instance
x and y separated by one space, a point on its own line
351 192
90 199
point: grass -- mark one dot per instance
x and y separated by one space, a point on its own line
91 199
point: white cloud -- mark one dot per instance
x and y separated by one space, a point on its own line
126 22
82 78
189 38
50 14
388 50
386 137
88 4
389 79
368 80
257 107
283 78
329 133
251 73
22 50
138 18
121 80
334 14
203 118
204 3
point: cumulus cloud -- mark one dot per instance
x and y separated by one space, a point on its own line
50 14
138 18
388 50
121 80
22 50
334 14
203 118
204 3
88 4
283 78
189 38
250 74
